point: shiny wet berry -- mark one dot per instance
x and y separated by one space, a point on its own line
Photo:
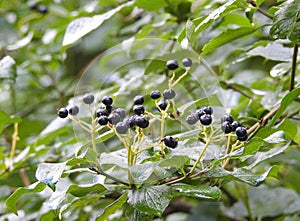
138 100
192 119
42 9
206 119
103 120
88 99
235 124
172 65
107 100
169 94
227 117
241 133
131 121
139 109
114 118
62 112
74 110
187 62
121 112
170 142
141 122
200 112
208 110
155 94
226 127
122 128
101 112
109 108
162 104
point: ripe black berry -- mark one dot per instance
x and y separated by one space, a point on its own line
101 112
169 94
34 6
121 128
200 112
235 124
88 99
172 65
208 110
138 109
170 142
141 122
42 9
103 120
206 119
227 117
131 121
226 127
155 94
62 112
74 110
162 104
107 101
114 118
121 112
187 62
241 133
192 119
109 108
138 100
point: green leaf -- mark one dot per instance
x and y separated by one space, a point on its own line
241 174
151 5
83 190
200 192
213 100
289 98
8 68
82 26
112 208
33 188
49 173
226 37
6 119
150 199
175 162
253 146
288 127
286 21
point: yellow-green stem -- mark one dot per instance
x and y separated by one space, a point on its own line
15 138
200 156
179 79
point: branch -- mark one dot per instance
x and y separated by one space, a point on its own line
294 67
230 86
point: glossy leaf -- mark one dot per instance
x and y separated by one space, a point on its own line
49 173
150 199
8 68
6 119
112 208
33 188
83 190
200 192
151 5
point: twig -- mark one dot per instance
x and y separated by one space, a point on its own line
15 138
230 86
294 67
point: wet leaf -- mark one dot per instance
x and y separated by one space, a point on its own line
49 173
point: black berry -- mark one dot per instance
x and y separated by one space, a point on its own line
206 119
208 110
131 121
88 99
192 119
170 142
172 65
121 128
109 108
42 9
235 124
74 110
138 100
101 112
34 6
169 94
227 117
141 122
226 127
121 112
114 118
139 109
162 104
200 112
187 62
155 94
107 101
62 112
241 133
103 120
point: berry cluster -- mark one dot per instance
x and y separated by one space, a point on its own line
228 125
203 114
39 8
173 64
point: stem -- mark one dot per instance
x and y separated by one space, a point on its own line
15 138
263 12
200 156
294 67
93 129
179 79
171 80
232 87
227 149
